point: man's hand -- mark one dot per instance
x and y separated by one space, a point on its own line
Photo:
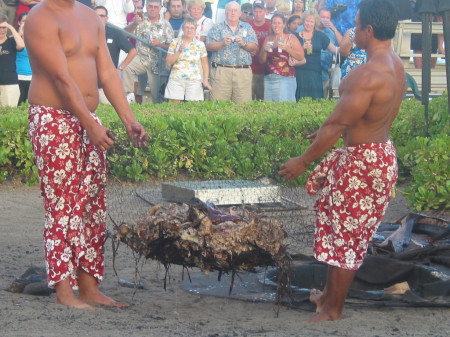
292 168
101 137
137 135
312 136
227 41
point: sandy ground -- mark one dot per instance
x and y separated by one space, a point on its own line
174 312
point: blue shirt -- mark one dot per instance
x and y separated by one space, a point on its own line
326 56
23 63
343 20
234 53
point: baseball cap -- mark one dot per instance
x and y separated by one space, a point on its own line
259 4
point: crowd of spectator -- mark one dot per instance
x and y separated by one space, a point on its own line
241 54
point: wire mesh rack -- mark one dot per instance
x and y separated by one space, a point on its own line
292 207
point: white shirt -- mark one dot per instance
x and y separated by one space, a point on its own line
117 11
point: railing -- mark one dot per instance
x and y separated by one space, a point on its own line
161 66
401 44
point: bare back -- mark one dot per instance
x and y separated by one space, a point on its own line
63 40
371 94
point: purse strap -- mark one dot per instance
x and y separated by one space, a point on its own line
337 58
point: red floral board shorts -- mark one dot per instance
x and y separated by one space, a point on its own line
72 175
355 186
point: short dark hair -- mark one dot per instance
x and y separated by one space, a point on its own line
292 18
102 7
382 15
21 15
183 2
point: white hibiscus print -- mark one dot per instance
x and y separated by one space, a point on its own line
351 223
99 216
338 198
69 166
376 173
63 128
378 184
371 222
49 192
63 221
46 118
370 155
63 150
75 222
94 159
350 257
65 256
59 177
366 203
327 241
60 204
51 244
91 254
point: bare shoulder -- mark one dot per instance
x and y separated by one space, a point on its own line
383 72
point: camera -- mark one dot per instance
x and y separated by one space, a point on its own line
339 8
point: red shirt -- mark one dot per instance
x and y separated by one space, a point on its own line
261 33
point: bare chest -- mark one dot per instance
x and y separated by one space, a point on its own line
78 38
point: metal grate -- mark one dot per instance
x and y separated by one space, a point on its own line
291 206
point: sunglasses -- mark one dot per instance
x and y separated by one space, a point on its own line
248 13
103 15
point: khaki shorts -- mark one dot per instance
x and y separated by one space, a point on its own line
231 84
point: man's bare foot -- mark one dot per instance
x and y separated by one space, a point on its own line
96 296
316 297
65 296
74 302
322 317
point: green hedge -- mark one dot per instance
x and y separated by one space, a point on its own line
222 140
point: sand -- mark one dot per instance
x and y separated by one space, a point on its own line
174 312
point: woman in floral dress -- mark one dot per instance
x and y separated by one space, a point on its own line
188 58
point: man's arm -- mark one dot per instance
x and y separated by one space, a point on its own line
355 99
47 54
112 86
29 2
20 44
214 40
127 47
345 46
130 56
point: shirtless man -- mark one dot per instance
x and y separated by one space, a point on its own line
68 54
355 181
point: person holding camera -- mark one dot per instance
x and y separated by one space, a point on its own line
343 13
159 33
232 44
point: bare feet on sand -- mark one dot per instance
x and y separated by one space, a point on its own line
74 302
321 317
316 297
97 297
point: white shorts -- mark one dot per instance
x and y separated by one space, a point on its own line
189 90
9 95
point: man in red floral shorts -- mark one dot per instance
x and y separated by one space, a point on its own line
68 53
355 181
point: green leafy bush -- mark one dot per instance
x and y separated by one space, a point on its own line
222 140
429 161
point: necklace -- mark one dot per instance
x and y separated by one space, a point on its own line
305 40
